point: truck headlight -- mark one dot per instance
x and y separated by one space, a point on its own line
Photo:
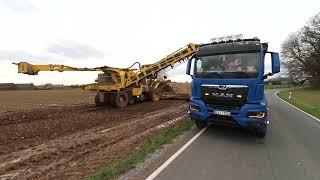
194 107
258 115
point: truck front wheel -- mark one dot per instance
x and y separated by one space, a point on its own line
120 99
261 132
97 100
201 124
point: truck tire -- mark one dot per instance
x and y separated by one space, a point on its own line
261 132
155 96
120 99
106 98
201 124
97 100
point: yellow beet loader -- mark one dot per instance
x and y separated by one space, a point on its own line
122 86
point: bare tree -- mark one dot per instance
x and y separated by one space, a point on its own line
301 52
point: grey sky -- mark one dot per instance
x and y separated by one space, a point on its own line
74 50
19 6
118 33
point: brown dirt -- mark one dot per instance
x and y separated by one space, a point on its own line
71 142
40 99
175 90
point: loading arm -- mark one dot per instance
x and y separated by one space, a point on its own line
172 59
26 68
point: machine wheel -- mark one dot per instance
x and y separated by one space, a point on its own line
120 99
155 96
261 132
201 124
97 100
106 99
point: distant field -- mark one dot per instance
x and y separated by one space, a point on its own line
30 99
305 99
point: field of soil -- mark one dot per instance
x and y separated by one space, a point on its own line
60 134
34 99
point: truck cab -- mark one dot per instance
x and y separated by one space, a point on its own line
228 84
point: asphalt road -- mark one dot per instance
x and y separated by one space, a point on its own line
291 150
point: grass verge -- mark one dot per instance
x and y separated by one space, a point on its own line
278 86
151 145
303 99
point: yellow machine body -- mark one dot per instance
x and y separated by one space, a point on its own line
115 81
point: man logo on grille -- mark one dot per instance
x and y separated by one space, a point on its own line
222 87
222 95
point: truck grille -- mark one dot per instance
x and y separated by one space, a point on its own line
224 96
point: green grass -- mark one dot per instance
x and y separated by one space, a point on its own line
121 166
277 86
304 99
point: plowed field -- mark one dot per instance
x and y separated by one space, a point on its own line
70 138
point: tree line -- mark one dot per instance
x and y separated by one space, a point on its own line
301 53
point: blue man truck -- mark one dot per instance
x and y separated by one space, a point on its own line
228 84
227 87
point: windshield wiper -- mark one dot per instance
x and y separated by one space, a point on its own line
240 74
212 75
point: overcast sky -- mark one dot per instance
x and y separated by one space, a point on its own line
117 33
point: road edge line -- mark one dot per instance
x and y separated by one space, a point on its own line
174 156
276 94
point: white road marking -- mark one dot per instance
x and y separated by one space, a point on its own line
173 157
296 107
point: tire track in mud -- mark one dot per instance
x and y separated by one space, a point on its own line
25 129
81 153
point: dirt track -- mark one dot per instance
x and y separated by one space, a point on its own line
72 142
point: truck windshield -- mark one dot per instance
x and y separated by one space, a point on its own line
243 65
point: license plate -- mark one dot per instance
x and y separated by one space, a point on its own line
222 113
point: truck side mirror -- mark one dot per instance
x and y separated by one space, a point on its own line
188 67
275 60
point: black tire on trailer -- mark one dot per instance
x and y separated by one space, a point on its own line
201 124
155 96
120 99
112 100
107 98
97 100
